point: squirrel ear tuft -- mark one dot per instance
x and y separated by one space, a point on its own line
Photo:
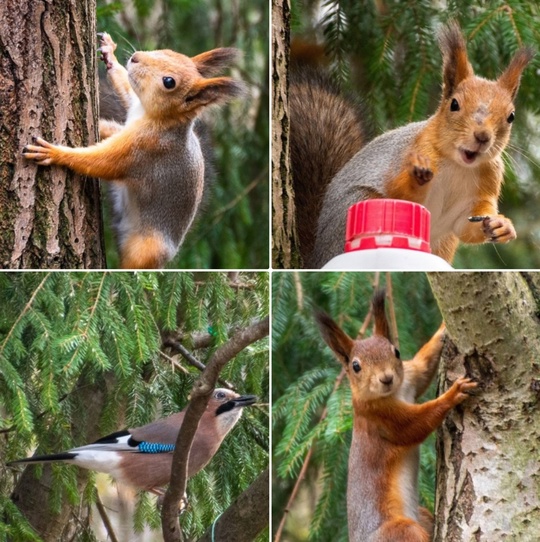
216 60
339 342
215 90
511 77
381 323
456 65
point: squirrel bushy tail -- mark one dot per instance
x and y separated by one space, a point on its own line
327 129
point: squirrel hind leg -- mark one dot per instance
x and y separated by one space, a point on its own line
402 529
145 251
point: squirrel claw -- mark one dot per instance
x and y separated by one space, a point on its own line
421 168
498 229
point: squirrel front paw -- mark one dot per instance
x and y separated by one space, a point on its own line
43 153
460 388
107 48
498 229
420 168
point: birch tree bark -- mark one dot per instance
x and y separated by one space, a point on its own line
488 472
49 216
284 238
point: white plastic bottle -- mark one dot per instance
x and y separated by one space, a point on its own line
388 234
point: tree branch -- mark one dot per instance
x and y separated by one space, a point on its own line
191 359
199 400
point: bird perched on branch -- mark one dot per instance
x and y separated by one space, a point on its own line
142 457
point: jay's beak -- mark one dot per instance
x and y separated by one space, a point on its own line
244 400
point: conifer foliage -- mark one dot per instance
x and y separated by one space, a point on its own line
86 354
312 411
386 54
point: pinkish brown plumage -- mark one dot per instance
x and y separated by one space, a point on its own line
142 457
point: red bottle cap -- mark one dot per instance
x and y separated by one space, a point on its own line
387 223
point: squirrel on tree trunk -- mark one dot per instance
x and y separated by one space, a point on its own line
388 427
155 160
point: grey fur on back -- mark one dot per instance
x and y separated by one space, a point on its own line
165 190
363 177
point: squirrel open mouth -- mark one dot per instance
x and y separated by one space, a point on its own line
468 156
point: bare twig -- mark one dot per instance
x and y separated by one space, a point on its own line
299 291
173 362
369 315
105 519
192 360
305 465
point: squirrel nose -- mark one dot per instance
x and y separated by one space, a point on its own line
482 137
134 58
387 379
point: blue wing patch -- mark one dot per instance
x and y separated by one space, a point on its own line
155 448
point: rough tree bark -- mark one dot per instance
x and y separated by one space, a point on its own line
488 472
284 239
49 217
246 517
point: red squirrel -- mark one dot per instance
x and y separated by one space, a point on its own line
450 163
155 158
382 493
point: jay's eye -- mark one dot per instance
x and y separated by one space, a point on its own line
356 367
169 83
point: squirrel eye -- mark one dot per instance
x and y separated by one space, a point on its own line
169 82
356 367
511 118
454 106
396 352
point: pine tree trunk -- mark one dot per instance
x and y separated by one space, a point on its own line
285 252
488 472
50 217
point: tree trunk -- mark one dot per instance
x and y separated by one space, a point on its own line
246 517
51 217
488 472
284 240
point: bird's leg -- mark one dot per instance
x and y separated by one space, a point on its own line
160 492
183 504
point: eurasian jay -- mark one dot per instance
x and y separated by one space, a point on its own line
142 457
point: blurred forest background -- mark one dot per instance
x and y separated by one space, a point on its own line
86 354
232 229
304 379
386 53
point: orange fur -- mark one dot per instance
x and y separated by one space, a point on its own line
472 118
143 252
157 159
388 426
446 247
421 369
